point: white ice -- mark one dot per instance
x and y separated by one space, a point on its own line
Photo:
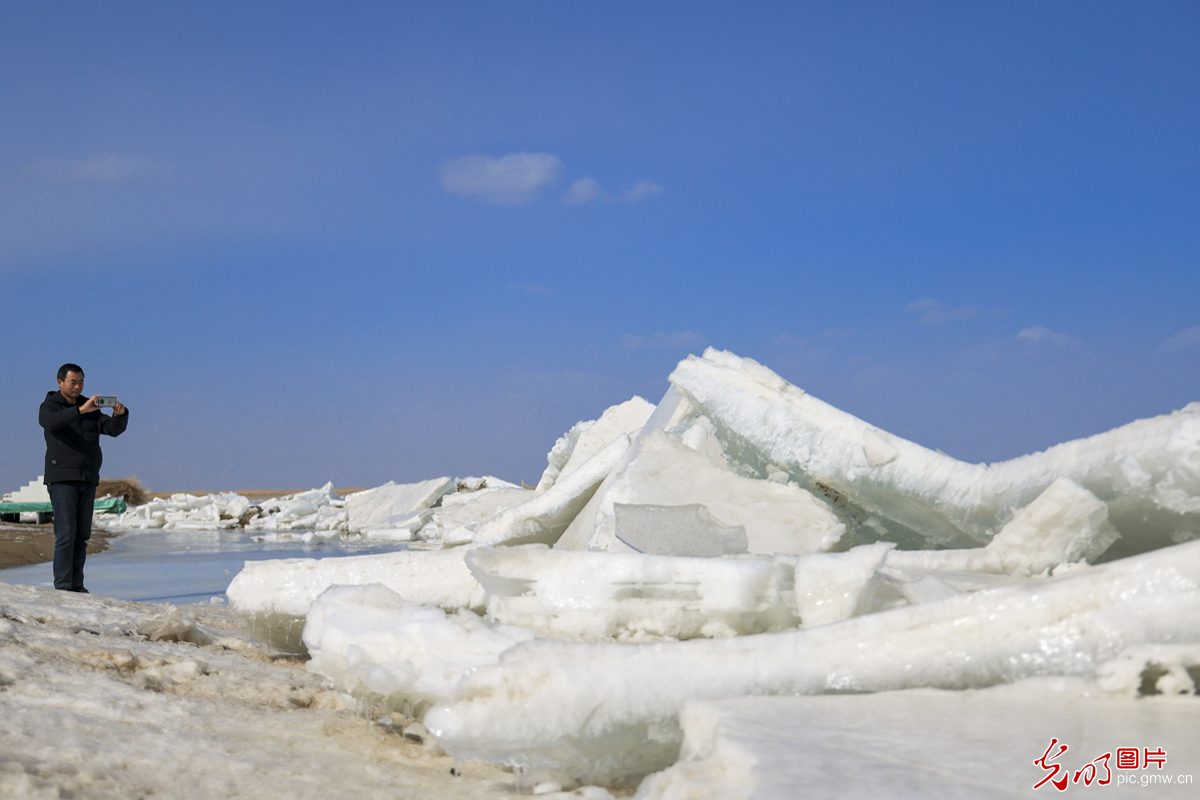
275 595
597 596
928 744
744 539
604 711
1147 472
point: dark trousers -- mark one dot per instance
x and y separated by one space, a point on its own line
73 502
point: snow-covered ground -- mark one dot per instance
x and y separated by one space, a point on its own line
738 592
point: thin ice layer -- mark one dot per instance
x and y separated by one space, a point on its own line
1147 472
927 744
593 596
606 711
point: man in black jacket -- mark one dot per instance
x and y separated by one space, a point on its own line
73 426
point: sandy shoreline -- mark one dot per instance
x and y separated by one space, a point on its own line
21 545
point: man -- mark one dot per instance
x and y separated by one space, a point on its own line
73 426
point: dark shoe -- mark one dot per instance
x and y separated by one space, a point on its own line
81 590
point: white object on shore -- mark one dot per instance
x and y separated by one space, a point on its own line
32 492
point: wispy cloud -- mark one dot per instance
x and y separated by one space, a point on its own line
110 170
1042 335
587 190
932 312
514 179
1183 341
662 340
640 191
584 190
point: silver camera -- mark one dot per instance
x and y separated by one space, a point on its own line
104 401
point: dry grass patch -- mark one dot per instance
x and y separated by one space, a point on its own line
130 488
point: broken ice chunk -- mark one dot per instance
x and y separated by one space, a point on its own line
1066 523
544 517
397 501
586 439
677 531
273 596
451 522
395 654
662 470
831 587
577 594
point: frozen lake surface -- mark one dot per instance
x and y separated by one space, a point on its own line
182 566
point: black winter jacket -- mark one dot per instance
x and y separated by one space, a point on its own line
73 439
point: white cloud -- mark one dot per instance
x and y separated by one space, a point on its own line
1040 334
584 190
514 179
110 170
1184 340
932 312
641 190
661 340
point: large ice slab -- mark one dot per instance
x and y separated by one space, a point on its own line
594 596
274 595
397 655
604 711
1146 472
931 744
663 470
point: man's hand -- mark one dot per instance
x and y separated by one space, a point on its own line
90 405
118 409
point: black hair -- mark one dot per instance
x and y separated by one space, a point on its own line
65 368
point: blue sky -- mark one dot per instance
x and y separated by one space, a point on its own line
390 241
